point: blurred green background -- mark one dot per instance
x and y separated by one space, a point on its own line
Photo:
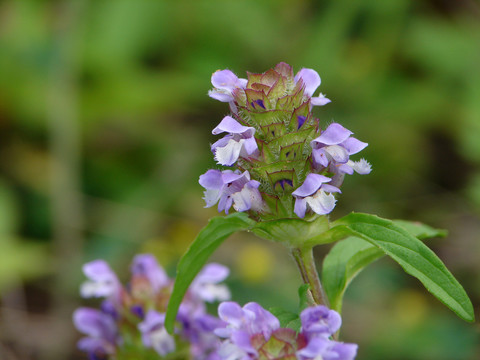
106 124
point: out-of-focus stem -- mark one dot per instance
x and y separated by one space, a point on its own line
64 141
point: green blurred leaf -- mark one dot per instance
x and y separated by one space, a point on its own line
207 241
414 257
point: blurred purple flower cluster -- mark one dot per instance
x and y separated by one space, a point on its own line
283 162
134 314
130 320
251 332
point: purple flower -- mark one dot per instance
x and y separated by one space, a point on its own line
225 82
231 188
102 281
239 142
333 148
313 192
146 265
206 285
101 330
311 81
242 324
322 348
198 331
320 321
154 334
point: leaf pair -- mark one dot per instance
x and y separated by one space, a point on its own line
362 239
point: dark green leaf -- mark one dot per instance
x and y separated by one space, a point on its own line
414 257
207 241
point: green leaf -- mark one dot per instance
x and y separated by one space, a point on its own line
350 256
344 261
414 257
207 241
420 230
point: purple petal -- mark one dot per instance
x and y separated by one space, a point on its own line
230 176
310 78
212 273
220 95
154 333
333 135
94 323
96 348
343 351
320 321
320 156
300 207
224 79
311 184
212 179
147 265
261 320
231 313
205 285
242 340
230 125
353 145
320 100
103 281
250 145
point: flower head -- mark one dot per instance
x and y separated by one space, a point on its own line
274 143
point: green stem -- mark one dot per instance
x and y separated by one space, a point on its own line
306 264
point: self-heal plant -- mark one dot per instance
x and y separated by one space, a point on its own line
284 169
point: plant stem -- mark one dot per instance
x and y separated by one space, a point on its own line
306 265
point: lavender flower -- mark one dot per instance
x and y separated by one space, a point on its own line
101 330
225 82
154 334
146 266
231 188
332 150
242 325
239 142
311 81
320 321
324 349
313 193
102 281
206 285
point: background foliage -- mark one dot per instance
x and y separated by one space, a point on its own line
105 126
